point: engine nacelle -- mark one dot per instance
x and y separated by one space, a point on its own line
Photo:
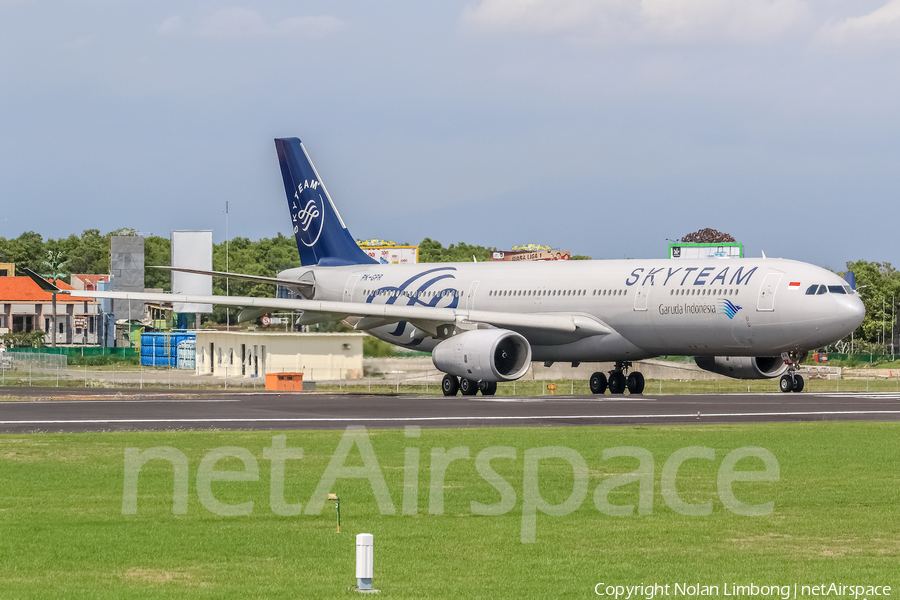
484 355
743 367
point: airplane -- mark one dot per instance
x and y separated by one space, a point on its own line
485 323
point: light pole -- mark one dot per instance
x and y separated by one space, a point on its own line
227 309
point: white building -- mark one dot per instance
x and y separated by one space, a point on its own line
319 356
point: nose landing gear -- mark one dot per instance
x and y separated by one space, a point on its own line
791 381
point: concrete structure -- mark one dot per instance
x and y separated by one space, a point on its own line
126 265
193 250
7 269
24 306
319 356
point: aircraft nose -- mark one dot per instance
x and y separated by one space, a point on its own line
853 312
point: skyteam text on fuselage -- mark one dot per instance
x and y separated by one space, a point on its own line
486 322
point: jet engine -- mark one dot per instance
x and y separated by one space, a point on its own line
484 355
743 367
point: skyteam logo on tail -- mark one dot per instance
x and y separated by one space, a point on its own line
729 308
306 217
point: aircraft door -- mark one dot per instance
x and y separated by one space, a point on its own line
470 297
348 288
766 301
642 296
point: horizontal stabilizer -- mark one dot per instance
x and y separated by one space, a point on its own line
43 283
258 278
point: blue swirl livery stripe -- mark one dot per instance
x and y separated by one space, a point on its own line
410 291
729 308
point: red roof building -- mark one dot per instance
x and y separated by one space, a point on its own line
24 306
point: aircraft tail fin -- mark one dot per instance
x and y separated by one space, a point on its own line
321 235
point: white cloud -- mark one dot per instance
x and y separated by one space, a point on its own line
239 22
171 26
640 21
878 28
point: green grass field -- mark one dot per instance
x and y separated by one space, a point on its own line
836 516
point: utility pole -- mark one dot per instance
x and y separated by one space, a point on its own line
53 333
227 309
882 322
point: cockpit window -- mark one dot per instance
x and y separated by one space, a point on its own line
836 289
848 289
822 290
811 290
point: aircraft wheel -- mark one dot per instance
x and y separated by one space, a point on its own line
635 383
798 383
450 385
598 383
487 388
786 384
617 383
468 387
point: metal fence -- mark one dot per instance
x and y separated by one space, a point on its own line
863 358
32 367
80 351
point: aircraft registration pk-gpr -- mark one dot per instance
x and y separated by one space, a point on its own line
486 322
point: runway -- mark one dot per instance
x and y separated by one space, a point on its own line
55 410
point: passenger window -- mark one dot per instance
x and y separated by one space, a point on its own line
836 289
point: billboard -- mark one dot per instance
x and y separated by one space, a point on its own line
530 255
393 255
700 250
192 250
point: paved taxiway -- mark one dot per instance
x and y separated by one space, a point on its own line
52 409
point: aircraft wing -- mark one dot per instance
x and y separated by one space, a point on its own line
373 315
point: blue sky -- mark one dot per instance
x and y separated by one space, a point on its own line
602 127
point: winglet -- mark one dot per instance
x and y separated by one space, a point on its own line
45 285
850 278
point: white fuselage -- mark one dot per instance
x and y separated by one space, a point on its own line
711 307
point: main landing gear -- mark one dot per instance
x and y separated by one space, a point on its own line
469 387
791 381
618 382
